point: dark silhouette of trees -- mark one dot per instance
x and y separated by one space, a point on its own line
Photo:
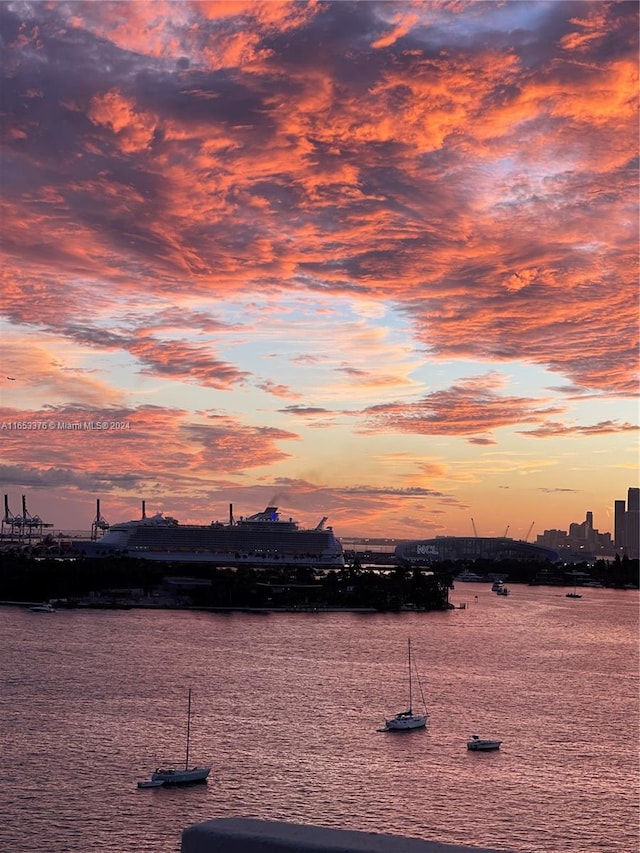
384 587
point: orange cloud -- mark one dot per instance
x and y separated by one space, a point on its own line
472 406
184 360
36 370
403 26
552 429
150 443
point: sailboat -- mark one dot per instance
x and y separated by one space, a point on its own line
406 720
178 775
573 594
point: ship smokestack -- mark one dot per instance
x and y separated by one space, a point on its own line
231 514
6 506
144 514
98 508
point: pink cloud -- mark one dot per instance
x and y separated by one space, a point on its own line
472 406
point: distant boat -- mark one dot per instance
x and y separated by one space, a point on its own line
503 591
407 720
45 607
468 576
573 594
178 775
478 744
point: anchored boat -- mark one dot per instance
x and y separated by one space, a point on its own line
478 744
178 775
407 720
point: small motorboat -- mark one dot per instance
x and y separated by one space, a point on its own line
150 783
479 744
45 607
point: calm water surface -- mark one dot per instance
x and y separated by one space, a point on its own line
286 707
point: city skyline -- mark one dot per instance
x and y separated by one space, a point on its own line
19 518
374 261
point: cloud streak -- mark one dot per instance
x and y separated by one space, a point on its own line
472 406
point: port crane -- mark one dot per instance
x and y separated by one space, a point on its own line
25 526
99 523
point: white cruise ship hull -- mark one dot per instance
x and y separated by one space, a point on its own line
225 559
260 540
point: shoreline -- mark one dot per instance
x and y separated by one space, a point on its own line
133 606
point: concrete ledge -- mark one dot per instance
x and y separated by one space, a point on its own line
246 835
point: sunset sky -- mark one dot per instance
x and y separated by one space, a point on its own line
376 261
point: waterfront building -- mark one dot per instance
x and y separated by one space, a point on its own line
632 525
471 548
582 541
627 525
619 510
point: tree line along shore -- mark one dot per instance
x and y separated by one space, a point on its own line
127 581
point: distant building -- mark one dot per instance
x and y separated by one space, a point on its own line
619 510
582 541
471 548
627 525
632 525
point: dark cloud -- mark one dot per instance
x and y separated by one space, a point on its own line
304 411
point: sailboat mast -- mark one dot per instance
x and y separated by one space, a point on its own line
186 763
410 696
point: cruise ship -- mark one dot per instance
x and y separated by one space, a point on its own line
263 539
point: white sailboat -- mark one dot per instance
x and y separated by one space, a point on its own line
407 720
178 775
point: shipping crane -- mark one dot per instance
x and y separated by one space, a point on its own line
98 522
10 520
526 538
32 525
25 526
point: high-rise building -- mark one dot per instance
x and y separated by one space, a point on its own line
632 525
619 509
588 530
583 538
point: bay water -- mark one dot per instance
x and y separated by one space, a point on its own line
287 706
